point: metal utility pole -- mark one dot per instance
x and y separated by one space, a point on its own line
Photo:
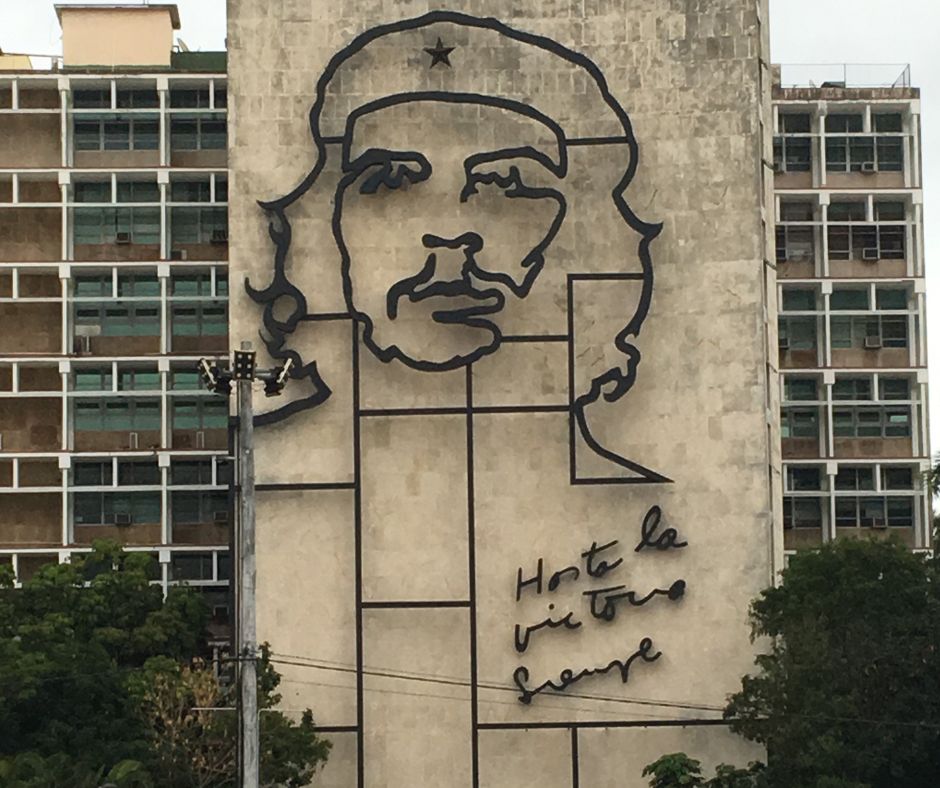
247 633
219 380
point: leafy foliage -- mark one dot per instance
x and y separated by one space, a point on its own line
848 695
101 683
678 770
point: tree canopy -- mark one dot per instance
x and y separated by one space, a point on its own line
93 661
847 692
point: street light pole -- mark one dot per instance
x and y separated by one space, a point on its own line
219 381
247 633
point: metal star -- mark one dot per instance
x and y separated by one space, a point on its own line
439 54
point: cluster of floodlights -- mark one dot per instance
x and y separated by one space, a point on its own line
219 380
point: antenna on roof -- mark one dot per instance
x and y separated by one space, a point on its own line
181 44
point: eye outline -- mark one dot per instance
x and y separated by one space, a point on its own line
513 182
393 169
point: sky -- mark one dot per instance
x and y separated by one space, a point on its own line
802 31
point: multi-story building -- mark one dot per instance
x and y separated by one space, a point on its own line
113 283
852 334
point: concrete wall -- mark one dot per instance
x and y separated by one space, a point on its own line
407 503
30 141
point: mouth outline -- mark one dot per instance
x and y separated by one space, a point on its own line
417 289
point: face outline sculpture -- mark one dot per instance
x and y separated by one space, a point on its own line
436 304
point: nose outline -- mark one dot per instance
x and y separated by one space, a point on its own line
472 241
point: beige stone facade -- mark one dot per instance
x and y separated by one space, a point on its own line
464 253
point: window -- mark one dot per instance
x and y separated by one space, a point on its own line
90 286
847 212
221 188
847 298
797 333
132 472
138 98
799 299
869 332
185 380
198 225
138 284
799 423
895 388
121 319
190 191
187 472
802 512
194 507
92 191
189 98
804 389
191 284
890 211
888 121
199 320
871 422
874 511
198 133
891 298
796 244
803 478
113 132
796 211
221 97
844 123
103 508
224 565
855 479
97 226
92 474
92 379
91 98
138 191
139 380
117 415
852 389
200 414
897 478
191 566
794 153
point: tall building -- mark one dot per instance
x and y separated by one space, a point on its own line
113 282
852 333
524 482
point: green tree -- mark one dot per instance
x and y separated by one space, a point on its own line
848 693
678 770
193 728
100 680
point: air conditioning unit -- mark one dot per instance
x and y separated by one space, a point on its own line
220 517
133 441
878 524
122 518
868 167
871 254
122 238
219 237
178 254
799 256
873 343
783 343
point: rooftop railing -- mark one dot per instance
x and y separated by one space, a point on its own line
845 75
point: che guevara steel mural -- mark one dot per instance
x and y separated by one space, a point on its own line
475 229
